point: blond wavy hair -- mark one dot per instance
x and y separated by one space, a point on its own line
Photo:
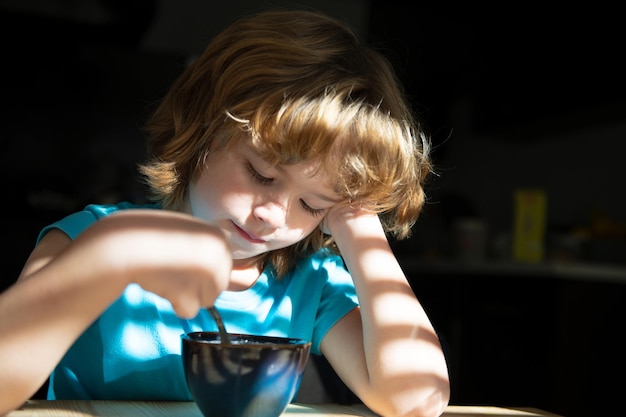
304 88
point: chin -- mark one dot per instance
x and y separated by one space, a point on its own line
240 255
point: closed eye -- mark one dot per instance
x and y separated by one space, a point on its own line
311 210
256 176
268 181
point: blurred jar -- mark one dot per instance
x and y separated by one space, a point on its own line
470 239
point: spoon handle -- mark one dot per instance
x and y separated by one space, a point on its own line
220 324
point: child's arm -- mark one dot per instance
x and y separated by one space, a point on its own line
66 285
389 354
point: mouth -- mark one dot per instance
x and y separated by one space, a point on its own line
248 236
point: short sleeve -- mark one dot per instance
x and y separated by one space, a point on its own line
338 298
75 223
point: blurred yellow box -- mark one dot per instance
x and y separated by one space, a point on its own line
530 225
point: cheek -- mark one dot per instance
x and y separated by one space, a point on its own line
302 225
201 199
217 193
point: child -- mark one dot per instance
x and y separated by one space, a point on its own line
286 149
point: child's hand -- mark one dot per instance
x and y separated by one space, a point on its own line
176 256
340 217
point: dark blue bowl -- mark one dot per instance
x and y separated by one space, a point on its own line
254 376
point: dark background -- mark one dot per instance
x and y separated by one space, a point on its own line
515 96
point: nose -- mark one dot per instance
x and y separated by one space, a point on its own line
272 214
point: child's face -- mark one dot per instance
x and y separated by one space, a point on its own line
259 207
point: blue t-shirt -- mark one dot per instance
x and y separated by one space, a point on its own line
132 351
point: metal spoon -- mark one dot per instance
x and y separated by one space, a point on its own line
220 325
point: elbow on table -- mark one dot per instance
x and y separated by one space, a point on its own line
433 406
13 395
8 404
429 404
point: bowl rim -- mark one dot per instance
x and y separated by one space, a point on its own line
277 342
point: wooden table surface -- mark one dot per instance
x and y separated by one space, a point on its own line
63 408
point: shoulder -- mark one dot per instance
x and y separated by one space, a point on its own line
323 268
73 224
322 260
